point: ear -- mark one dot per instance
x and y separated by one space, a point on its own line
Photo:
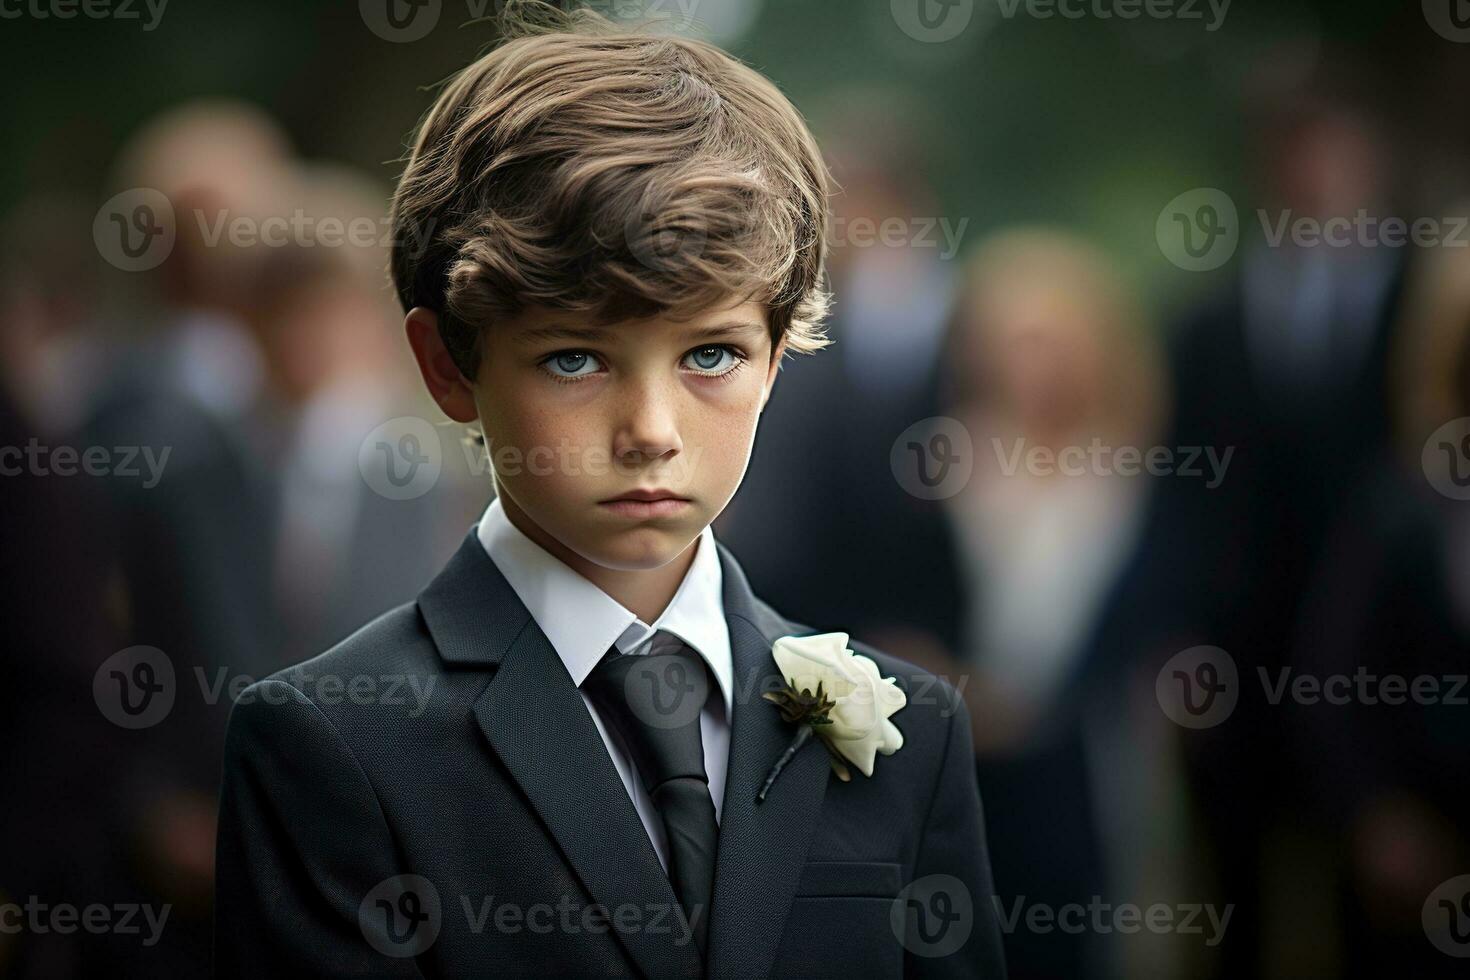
773 371
442 377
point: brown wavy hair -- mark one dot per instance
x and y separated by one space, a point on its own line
598 169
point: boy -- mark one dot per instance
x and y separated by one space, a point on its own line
607 241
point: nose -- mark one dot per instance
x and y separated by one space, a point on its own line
648 425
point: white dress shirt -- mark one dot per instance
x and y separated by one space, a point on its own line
583 623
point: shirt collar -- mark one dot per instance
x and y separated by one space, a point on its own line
583 622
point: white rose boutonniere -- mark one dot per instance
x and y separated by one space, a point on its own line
838 696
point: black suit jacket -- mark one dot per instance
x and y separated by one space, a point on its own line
495 792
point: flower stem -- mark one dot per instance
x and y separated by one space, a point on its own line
803 734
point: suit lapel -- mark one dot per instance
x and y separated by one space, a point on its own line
762 847
538 725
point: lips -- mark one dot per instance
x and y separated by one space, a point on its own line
644 504
646 496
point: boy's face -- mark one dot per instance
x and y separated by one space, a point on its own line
576 416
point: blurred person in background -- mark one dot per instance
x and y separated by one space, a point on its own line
189 375
60 773
1066 578
1288 370
194 544
259 359
1390 596
842 541
251 366
51 360
327 324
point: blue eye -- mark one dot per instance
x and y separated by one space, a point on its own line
707 360
570 362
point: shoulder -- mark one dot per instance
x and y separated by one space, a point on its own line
386 665
396 641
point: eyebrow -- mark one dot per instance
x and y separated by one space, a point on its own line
591 333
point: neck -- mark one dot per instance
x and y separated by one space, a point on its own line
646 592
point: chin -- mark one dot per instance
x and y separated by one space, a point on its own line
643 548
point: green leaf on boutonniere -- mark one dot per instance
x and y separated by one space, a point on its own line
802 706
809 711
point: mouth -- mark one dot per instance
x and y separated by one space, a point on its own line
646 503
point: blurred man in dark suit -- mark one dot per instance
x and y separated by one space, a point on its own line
1288 368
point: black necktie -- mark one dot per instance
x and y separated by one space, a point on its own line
653 700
